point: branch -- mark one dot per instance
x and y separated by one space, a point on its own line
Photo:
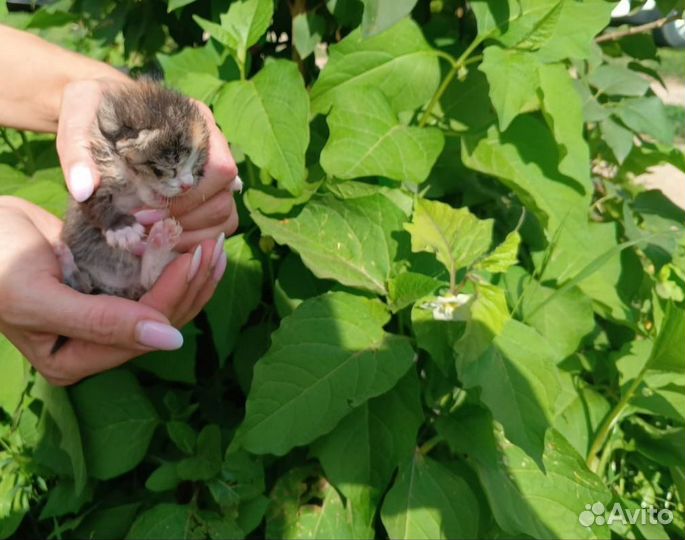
648 27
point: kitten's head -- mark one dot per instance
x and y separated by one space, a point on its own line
159 136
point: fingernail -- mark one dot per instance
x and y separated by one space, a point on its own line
237 184
218 248
158 336
195 263
81 182
220 267
151 216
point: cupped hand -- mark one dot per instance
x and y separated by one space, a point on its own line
104 331
204 212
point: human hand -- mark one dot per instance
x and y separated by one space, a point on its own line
204 212
104 331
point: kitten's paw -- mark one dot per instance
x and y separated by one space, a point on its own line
126 238
66 260
159 251
164 234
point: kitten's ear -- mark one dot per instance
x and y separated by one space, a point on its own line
135 148
108 121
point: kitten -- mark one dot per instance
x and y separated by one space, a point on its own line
150 145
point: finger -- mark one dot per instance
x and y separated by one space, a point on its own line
190 239
219 172
211 254
214 212
171 287
208 290
67 366
77 116
107 320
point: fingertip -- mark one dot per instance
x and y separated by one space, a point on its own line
81 181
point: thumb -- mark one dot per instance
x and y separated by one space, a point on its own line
108 320
78 111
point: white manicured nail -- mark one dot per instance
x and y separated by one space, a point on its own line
237 184
81 184
195 263
218 249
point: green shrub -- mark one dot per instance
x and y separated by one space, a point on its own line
449 311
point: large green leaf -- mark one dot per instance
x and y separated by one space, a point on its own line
667 354
242 26
563 111
117 422
379 15
428 501
646 116
513 78
398 62
578 23
237 294
193 71
525 159
268 117
351 240
614 79
13 373
329 356
524 499
162 522
369 443
454 235
57 405
519 384
367 140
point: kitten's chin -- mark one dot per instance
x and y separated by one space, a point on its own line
153 198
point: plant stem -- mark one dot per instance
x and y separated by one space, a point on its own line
14 150
429 445
30 163
648 27
456 66
610 422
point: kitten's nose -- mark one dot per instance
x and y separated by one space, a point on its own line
186 187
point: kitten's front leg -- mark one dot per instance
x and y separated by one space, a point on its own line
121 230
159 251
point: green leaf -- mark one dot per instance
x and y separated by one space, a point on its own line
268 117
193 71
368 444
408 287
525 159
494 15
63 499
349 240
117 422
107 523
329 356
428 501
579 420
578 24
308 30
379 15
48 195
236 296
162 522
367 140
646 116
519 384
13 373
397 62
667 354
563 112
206 463
503 256
294 284
173 5
182 435
513 78
534 26
454 235
618 80
524 499
59 408
163 478
242 26
618 138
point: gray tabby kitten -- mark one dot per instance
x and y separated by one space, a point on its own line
150 145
